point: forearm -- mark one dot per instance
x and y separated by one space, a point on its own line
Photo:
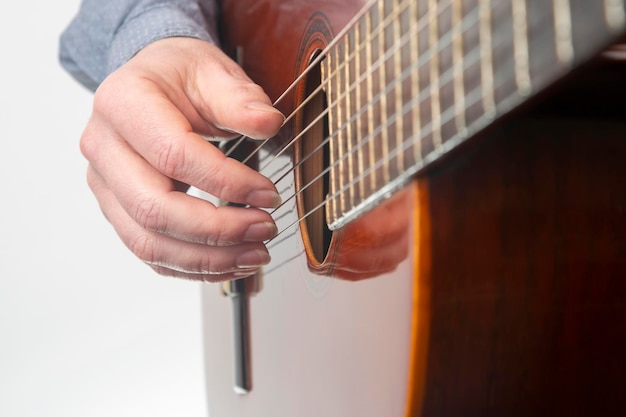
106 34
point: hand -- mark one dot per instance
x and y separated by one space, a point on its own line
144 147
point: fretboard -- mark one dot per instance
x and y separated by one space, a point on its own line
413 79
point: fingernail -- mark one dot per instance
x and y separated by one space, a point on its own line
244 274
253 259
264 198
258 106
260 231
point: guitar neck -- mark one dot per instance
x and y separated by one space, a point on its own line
411 80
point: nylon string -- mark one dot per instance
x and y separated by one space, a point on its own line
449 114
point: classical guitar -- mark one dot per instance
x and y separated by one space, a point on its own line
453 228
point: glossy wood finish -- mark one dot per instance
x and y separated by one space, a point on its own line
513 301
271 33
528 278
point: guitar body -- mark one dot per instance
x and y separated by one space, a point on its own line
493 284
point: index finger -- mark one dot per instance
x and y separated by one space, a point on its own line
162 135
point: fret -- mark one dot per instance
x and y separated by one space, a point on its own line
563 29
341 137
520 47
406 87
382 103
475 63
329 79
415 82
396 33
424 75
371 22
445 69
360 66
457 63
350 92
614 14
433 38
364 122
431 73
486 58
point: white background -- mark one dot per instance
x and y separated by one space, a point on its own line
85 328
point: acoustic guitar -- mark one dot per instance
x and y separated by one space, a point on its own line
453 228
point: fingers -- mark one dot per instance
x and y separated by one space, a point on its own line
145 148
174 257
211 90
229 100
154 127
151 200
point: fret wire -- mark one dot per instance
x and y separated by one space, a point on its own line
364 9
381 26
471 56
337 39
514 98
348 107
340 142
383 100
486 53
327 67
520 46
614 14
397 64
468 20
359 100
474 96
370 88
563 29
457 62
414 48
435 104
327 51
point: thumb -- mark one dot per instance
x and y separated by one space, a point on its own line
231 102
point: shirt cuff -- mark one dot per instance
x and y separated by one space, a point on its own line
158 22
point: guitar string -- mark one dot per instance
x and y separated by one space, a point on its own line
445 77
410 105
441 43
449 114
310 67
381 60
424 59
388 20
357 83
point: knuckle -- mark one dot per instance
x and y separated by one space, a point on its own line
205 264
143 246
247 89
148 213
87 144
108 96
170 159
220 237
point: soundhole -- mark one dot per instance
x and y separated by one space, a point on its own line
312 158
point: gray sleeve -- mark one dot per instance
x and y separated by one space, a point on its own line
106 33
